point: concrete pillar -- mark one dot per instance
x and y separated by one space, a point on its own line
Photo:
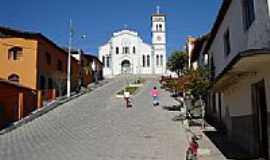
39 99
20 106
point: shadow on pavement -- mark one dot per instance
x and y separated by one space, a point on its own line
172 108
228 149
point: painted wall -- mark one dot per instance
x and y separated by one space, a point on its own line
237 109
9 96
258 35
25 66
130 39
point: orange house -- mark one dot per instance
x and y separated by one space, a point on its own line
34 61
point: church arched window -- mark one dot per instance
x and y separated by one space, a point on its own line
161 60
143 59
157 60
126 50
148 60
108 62
160 27
157 27
103 60
117 50
134 49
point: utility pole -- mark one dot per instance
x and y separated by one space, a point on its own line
69 58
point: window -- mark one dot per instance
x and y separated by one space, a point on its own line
108 62
103 60
134 49
14 78
212 68
148 61
161 60
15 53
48 58
227 45
143 60
160 27
157 60
60 65
126 50
117 50
42 82
248 13
157 27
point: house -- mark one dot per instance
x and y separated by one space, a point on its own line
34 61
16 102
239 57
91 68
195 48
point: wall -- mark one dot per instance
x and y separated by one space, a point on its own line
87 75
25 66
258 35
51 70
9 95
105 51
129 39
237 111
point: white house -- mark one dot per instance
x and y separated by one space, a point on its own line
127 53
239 54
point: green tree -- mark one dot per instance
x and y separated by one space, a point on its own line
178 62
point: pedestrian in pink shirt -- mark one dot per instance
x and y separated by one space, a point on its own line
155 95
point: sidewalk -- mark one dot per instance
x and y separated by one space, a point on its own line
50 106
215 145
207 149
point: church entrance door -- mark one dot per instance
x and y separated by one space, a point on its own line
126 67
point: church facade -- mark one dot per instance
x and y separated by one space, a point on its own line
127 53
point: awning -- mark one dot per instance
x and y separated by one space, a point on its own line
244 65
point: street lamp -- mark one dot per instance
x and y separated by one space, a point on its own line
71 32
69 58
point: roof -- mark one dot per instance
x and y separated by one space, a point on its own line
93 57
10 32
198 47
220 17
7 82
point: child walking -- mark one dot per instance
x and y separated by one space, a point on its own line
155 95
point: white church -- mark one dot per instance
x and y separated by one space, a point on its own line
127 53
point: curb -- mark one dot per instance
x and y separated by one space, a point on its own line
47 108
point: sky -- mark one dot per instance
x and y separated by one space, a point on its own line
98 19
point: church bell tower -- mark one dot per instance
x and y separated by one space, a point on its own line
159 42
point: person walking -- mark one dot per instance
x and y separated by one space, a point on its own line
155 96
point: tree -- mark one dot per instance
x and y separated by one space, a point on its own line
199 83
178 62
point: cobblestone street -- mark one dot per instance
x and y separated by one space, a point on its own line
97 126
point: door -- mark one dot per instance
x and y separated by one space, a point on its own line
126 67
260 118
2 118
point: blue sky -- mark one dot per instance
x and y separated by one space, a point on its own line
99 18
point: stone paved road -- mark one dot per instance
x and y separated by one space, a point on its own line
96 126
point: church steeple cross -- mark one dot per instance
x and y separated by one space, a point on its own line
158 9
